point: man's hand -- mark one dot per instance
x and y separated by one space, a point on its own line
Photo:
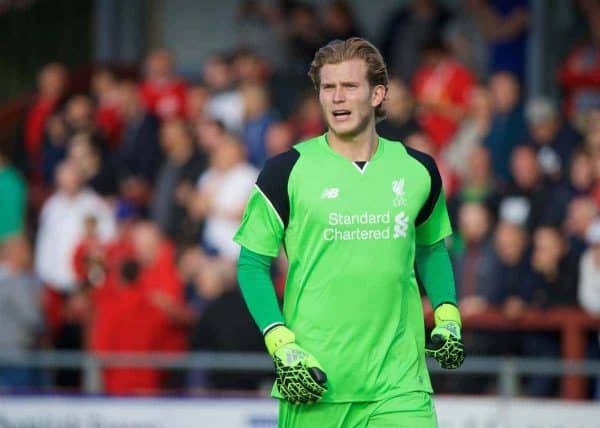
300 378
446 345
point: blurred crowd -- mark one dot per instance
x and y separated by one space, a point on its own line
119 204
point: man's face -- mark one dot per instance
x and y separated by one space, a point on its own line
347 100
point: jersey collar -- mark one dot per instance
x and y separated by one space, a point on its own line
376 155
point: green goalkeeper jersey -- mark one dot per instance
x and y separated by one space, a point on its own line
349 233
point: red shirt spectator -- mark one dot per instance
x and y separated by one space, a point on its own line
127 323
580 76
165 99
52 82
442 88
163 93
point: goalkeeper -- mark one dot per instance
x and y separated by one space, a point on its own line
355 214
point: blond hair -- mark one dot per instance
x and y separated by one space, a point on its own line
338 51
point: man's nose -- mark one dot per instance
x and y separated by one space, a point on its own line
339 95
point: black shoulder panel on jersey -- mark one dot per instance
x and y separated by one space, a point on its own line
273 182
436 183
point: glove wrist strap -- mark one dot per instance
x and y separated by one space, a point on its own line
447 312
278 337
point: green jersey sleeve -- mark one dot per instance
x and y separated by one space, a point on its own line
267 212
433 222
437 225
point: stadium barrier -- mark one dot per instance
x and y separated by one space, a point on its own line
507 369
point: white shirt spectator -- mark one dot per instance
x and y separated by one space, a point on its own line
229 191
60 230
589 271
228 108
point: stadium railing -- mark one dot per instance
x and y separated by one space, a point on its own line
572 324
507 369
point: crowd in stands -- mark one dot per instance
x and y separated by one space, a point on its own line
119 204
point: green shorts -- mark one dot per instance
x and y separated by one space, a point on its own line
412 410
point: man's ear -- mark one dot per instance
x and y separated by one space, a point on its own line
378 95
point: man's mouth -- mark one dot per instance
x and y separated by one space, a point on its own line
341 114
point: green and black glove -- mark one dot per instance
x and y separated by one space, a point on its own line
446 345
299 376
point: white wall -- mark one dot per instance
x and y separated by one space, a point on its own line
453 412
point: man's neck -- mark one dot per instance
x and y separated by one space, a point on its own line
360 147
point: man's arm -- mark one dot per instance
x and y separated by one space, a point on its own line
435 270
300 378
258 290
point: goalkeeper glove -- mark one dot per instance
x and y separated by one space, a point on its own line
446 345
299 376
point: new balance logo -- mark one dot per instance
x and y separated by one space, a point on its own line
330 193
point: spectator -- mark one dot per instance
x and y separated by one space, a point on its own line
581 213
553 141
471 131
399 106
466 40
339 21
78 118
96 169
175 182
260 27
406 32
21 315
54 148
478 185
225 325
474 228
553 282
138 156
13 191
248 67
505 24
223 190
127 322
503 269
226 104
529 199
308 118
279 138
442 88
209 133
304 37
52 86
580 73
163 92
588 289
258 116
105 88
61 226
89 259
508 124
581 175
162 285
197 99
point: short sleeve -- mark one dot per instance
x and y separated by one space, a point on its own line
433 222
261 229
437 225
267 213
